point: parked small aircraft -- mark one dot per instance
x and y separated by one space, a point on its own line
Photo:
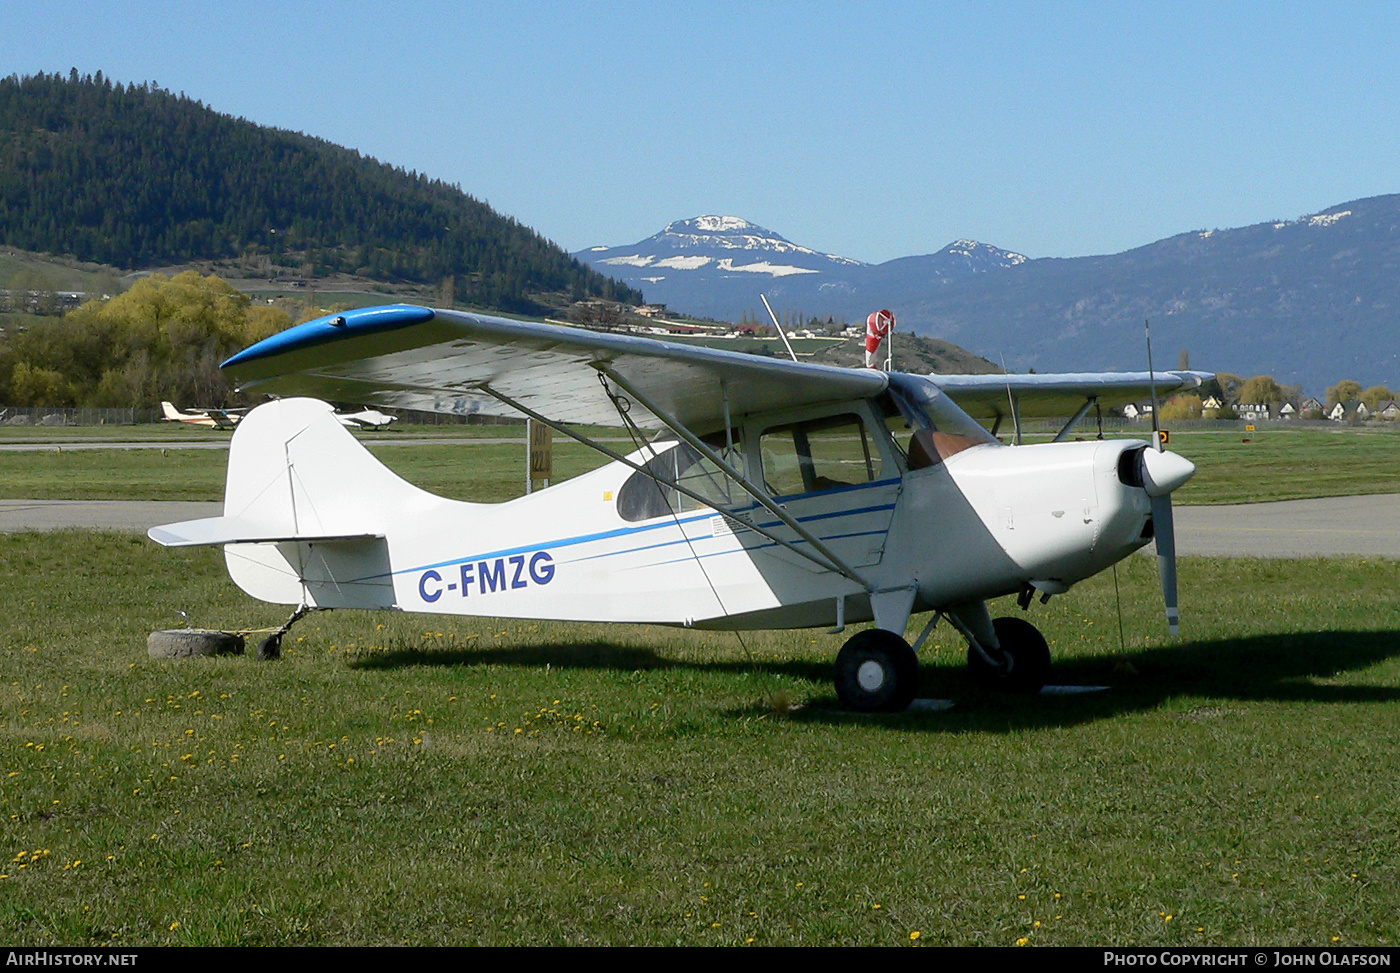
780 494
365 419
228 418
216 418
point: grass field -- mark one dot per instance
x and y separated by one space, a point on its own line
401 779
1273 465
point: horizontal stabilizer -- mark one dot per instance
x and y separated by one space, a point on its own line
235 530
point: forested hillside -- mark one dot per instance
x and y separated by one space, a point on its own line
137 177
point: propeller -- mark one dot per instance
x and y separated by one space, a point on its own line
1161 473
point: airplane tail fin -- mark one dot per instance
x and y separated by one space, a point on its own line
306 511
171 413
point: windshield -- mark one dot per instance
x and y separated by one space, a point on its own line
934 428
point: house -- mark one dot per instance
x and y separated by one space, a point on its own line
1389 410
1343 411
1286 411
1137 410
1253 411
1212 403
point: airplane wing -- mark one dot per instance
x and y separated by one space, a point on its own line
438 361
1057 396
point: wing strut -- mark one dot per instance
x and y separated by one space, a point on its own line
833 564
761 496
1063 434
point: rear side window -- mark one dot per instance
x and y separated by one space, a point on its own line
642 498
819 454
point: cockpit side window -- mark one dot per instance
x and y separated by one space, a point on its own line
819 454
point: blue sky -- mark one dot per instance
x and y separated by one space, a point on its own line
872 130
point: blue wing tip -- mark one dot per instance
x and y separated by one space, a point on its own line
360 320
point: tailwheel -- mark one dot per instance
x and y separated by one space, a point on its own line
876 672
1028 659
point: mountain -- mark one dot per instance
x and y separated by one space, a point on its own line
708 262
136 177
1310 300
717 266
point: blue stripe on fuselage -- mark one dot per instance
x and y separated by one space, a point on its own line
671 522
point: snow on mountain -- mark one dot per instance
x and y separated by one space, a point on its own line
718 266
707 242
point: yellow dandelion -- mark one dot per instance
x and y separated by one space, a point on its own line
914 934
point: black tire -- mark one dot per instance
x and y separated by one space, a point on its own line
1030 659
189 643
270 647
876 672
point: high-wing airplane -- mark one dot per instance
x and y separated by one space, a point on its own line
214 418
228 418
365 419
778 494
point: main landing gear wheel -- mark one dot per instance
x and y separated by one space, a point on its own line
1030 659
876 672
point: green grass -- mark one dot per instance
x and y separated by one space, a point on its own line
399 778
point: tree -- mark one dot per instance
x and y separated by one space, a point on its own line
39 386
1260 390
1229 386
163 339
1181 407
1344 391
1375 395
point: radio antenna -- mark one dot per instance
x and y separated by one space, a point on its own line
781 333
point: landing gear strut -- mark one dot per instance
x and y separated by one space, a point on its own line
1026 663
876 672
270 645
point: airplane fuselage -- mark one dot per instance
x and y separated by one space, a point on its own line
612 546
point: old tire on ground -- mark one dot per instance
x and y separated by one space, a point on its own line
1030 659
876 672
187 643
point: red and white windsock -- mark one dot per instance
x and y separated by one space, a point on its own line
877 328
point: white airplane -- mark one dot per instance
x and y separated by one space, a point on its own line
228 418
780 494
215 418
365 419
